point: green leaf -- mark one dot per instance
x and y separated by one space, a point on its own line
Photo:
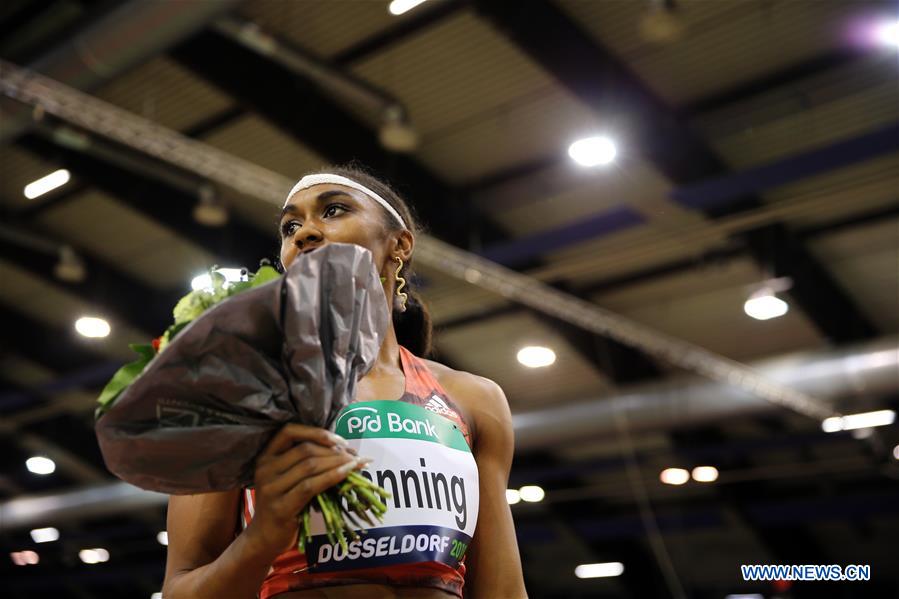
144 350
123 377
264 275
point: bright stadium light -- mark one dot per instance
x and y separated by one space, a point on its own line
25 558
855 421
536 356
40 465
163 537
94 556
764 305
513 496
888 33
398 7
603 570
232 275
93 327
44 535
47 183
531 493
593 151
705 474
674 476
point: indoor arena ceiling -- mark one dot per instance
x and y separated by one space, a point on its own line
757 139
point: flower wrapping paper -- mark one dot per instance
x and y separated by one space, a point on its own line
290 350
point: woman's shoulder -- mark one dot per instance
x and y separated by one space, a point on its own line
466 383
478 396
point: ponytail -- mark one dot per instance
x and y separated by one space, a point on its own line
413 327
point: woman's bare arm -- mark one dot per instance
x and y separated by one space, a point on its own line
493 562
204 557
205 560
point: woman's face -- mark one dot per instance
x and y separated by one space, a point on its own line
330 213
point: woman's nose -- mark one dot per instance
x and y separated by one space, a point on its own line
308 233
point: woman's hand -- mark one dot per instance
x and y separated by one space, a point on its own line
299 463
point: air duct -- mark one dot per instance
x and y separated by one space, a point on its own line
844 375
841 375
122 39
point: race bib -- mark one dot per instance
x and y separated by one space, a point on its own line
424 462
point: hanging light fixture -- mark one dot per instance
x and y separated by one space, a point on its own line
763 302
660 23
210 211
396 132
70 267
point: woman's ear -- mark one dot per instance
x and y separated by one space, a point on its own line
404 243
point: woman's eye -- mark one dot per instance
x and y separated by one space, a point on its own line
333 210
288 228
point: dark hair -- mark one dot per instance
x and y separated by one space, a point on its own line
413 327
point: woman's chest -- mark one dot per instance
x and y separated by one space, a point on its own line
373 387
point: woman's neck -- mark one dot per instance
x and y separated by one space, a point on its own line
389 355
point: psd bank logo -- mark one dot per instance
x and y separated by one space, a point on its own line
364 419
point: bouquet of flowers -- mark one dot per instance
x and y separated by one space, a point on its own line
191 414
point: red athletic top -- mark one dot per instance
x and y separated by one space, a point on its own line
291 572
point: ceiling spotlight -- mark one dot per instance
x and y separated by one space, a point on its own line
398 7
513 496
156 595
40 465
674 476
94 556
531 493
660 23
593 151
70 267
209 210
705 474
888 33
536 356
856 421
396 133
232 275
163 537
764 305
602 570
896 452
44 535
47 183
91 326
24 558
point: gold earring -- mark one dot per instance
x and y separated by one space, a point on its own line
401 282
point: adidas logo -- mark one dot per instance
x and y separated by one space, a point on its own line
437 405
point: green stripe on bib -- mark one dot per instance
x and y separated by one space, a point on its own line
387 419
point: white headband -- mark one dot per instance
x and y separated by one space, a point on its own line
310 180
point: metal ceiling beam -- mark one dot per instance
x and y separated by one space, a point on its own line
643 576
111 291
606 84
717 256
341 137
175 149
120 39
831 376
813 287
747 90
237 243
409 26
54 347
297 107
